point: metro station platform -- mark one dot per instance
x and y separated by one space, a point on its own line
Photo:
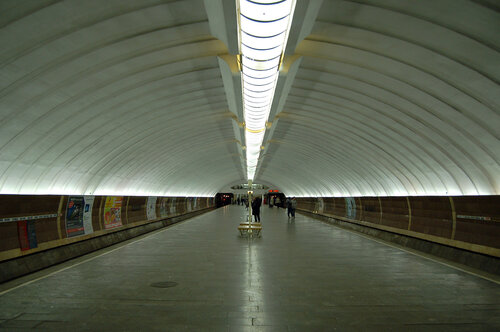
304 275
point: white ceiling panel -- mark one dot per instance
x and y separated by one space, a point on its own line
127 97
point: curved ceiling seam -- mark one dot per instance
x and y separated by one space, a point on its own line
393 154
80 76
472 94
453 57
450 156
407 113
72 130
384 170
128 141
116 160
378 172
80 154
210 143
458 129
125 143
464 152
280 171
277 174
133 86
32 11
67 59
122 119
398 82
450 27
207 151
356 176
157 176
409 165
38 43
368 109
390 162
381 169
389 73
206 179
75 98
492 5
331 160
121 164
217 174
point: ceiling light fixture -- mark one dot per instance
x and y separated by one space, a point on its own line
263 28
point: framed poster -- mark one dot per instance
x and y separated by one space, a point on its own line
113 212
87 214
74 216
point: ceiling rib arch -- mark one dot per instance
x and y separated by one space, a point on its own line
382 97
415 90
340 154
402 132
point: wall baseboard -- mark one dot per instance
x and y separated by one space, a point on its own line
27 264
474 260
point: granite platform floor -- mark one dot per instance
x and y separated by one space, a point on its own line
299 276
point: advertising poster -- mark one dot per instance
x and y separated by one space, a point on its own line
113 212
87 214
74 216
151 208
27 234
189 204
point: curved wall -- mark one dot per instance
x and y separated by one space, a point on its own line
32 224
467 222
376 98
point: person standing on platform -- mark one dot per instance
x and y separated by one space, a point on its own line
289 207
294 206
278 202
256 208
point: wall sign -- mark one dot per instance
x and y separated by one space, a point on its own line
113 212
74 216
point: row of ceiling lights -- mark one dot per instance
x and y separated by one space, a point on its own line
263 32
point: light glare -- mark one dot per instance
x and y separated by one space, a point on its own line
263 31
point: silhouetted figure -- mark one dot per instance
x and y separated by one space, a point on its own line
256 208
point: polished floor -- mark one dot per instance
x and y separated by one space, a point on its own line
299 276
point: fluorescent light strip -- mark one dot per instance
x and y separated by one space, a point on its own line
263 32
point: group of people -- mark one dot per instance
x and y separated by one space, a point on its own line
291 205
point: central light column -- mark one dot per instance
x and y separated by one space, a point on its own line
263 31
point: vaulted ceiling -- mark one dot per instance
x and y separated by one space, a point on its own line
375 97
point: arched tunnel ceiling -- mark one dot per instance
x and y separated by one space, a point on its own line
378 97
392 98
103 97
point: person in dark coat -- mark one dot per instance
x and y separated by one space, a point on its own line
256 208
